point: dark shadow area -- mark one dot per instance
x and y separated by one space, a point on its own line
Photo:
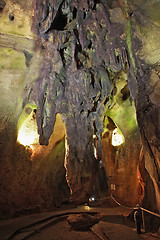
126 93
2 5
59 22
118 219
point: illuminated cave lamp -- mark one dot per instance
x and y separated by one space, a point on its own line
27 134
117 138
92 198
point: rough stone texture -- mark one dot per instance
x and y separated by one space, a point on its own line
83 221
30 178
145 34
121 162
38 176
2 4
81 48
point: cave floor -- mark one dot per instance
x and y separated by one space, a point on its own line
113 225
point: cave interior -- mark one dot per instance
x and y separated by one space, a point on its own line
80 103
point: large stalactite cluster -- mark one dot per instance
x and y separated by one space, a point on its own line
82 48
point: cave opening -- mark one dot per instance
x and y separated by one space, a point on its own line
74 13
59 22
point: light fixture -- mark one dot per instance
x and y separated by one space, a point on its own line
92 199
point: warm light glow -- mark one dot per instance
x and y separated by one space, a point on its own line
95 146
87 208
27 137
92 198
117 138
95 152
27 134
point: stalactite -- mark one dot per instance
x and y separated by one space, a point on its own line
81 45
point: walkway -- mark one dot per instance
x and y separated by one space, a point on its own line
113 225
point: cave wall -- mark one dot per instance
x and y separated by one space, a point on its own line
121 161
12 72
31 178
145 33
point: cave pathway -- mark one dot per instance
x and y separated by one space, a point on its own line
114 225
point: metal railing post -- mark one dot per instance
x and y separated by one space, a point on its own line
143 219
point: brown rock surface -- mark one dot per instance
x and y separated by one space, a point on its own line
82 221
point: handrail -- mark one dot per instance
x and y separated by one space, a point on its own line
133 208
153 213
121 204
143 209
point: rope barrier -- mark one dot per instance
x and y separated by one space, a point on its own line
134 208
120 203
138 224
155 214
